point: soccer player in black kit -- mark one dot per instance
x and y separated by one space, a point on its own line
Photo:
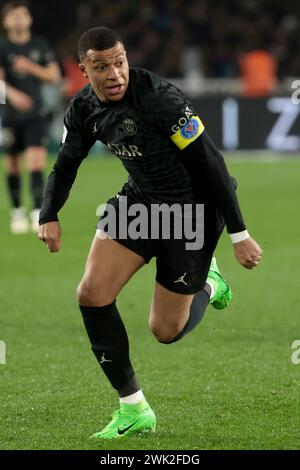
26 62
154 130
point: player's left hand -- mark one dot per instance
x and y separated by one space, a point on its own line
22 64
248 253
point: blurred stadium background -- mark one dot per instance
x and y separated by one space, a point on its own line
237 60
238 388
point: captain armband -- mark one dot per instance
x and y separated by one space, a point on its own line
188 133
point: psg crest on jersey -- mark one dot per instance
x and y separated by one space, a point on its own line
190 129
130 127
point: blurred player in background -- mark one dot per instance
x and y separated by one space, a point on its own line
26 63
160 139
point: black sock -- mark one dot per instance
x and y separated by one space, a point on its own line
37 188
197 310
109 341
14 189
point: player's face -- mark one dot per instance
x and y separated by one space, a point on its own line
108 72
18 19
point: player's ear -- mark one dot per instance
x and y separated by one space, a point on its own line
83 70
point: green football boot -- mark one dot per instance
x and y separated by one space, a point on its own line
129 420
223 292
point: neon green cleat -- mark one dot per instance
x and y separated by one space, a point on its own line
128 420
223 292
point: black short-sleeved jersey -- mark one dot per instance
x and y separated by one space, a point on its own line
37 50
147 130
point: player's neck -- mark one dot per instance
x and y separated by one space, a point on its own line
19 37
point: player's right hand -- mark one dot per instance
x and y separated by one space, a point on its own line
50 233
20 101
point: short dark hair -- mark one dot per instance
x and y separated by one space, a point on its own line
99 39
9 6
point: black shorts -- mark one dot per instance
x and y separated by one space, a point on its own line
177 269
22 134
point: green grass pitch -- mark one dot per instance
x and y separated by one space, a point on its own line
230 384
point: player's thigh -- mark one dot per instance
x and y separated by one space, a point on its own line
35 143
35 158
12 147
169 310
108 268
12 163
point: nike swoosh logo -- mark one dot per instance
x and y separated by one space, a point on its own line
122 431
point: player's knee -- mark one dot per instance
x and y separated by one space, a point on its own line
94 296
83 294
164 333
36 158
13 166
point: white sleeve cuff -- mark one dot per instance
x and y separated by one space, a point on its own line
239 236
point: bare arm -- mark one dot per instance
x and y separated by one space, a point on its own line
18 99
49 73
